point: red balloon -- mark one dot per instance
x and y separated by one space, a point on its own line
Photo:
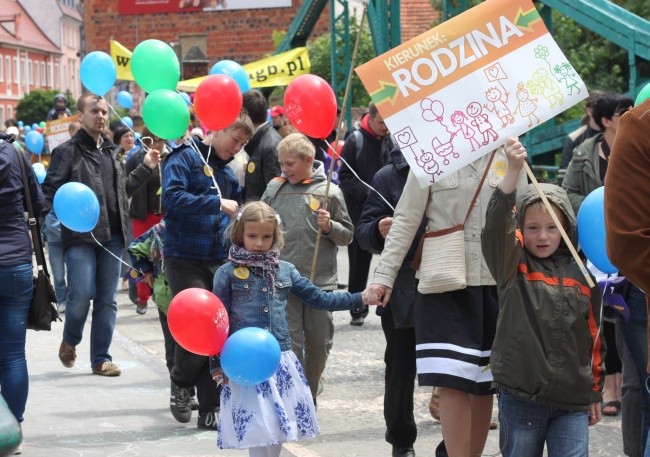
217 101
198 321
310 104
338 147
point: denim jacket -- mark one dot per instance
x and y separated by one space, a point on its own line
249 303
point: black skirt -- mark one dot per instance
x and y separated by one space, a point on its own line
454 332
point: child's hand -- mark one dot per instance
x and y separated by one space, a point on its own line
376 294
230 207
323 220
594 413
219 377
516 154
148 279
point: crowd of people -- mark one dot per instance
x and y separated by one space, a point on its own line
238 212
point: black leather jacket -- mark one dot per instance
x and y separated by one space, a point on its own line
263 163
78 160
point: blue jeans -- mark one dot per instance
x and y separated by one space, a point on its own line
93 274
16 288
57 265
525 426
635 336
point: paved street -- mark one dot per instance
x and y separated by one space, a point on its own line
71 412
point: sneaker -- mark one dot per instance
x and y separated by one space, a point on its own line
67 354
141 308
357 321
107 368
193 401
179 403
207 420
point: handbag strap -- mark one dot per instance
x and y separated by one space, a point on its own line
487 169
32 222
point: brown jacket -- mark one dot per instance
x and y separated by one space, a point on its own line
627 218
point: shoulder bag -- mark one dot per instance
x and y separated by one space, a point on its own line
440 257
42 311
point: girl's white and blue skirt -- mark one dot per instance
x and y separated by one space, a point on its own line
272 412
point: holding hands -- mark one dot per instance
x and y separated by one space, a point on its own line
516 154
376 294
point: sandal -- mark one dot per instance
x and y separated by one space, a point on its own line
611 408
434 404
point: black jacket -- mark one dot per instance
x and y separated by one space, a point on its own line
389 182
78 160
15 244
263 163
138 208
371 158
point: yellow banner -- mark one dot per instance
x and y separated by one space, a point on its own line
278 70
122 58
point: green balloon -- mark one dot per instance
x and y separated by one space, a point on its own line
42 124
643 95
165 113
155 65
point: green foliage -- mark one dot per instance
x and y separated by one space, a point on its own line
321 63
34 106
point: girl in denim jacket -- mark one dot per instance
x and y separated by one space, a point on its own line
253 287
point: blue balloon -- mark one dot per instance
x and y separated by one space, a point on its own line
34 126
186 97
126 120
77 207
235 71
20 124
591 231
98 72
27 128
39 171
250 356
34 141
124 99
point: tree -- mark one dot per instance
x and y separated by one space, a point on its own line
33 107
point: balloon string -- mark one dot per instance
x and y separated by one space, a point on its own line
190 142
335 154
118 258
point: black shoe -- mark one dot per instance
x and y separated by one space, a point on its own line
179 404
133 294
207 420
193 402
406 451
357 321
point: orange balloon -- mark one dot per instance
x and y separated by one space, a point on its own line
198 321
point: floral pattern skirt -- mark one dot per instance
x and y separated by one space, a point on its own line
273 412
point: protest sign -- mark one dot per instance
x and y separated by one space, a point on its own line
458 91
57 131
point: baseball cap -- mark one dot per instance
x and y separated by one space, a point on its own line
13 130
277 110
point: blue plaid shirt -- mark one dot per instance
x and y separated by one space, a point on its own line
195 225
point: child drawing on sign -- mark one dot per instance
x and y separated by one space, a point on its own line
481 121
566 75
498 105
543 85
526 105
459 119
428 164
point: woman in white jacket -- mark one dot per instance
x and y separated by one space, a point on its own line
453 330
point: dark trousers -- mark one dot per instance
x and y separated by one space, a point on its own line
399 382
170 344
359 263
191 369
